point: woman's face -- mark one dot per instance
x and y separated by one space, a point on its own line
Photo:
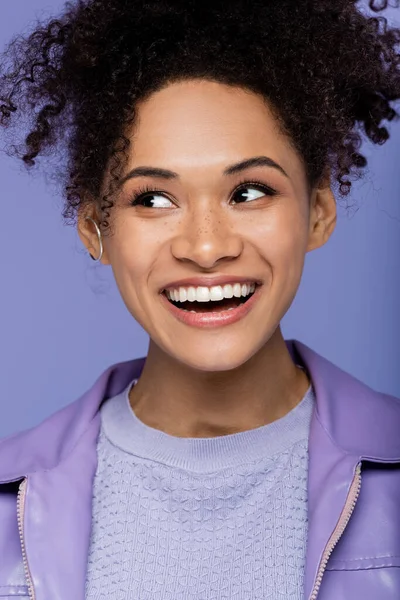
212 217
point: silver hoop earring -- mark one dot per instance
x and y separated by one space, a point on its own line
100 240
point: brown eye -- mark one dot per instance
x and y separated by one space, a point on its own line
150 200
249 192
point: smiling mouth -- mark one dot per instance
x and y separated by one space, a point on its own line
211 306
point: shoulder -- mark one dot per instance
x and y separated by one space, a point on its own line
44 446
358 418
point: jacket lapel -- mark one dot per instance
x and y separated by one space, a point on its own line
330 473
58 514
59 460
351 422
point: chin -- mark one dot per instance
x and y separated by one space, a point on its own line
214 360
213 351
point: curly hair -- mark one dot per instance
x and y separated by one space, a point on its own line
327 69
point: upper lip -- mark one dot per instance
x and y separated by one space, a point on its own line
209 281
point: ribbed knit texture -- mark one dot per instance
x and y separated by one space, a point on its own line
221 518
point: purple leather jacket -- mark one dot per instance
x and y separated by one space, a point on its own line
353 552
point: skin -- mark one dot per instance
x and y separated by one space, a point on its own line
209 382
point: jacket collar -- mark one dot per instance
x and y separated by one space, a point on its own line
358 420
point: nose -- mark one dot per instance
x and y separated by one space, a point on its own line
206 238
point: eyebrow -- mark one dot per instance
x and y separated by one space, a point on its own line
255 161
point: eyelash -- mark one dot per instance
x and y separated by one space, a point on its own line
142 191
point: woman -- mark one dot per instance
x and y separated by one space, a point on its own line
227 463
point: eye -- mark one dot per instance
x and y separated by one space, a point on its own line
150 198
252 191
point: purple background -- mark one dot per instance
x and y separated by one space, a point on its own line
62 320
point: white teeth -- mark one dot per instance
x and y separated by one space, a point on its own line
215 293
203 294
237 290
191 294
182 295
228 291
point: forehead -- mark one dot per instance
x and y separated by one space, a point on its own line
204 116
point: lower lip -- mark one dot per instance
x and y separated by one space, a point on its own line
213 319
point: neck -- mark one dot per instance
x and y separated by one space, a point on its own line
184 402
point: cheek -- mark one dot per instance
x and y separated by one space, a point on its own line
282 238
130 259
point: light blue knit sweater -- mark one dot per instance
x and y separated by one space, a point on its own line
221 518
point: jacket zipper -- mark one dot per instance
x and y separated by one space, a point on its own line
344 518
21 513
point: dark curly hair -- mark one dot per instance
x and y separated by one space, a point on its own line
327 69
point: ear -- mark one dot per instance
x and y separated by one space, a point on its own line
88 233
323 214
